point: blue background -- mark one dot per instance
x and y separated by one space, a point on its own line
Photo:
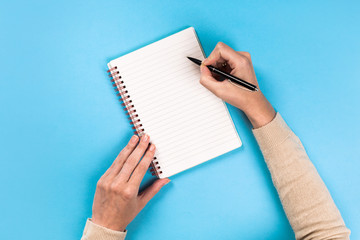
61 125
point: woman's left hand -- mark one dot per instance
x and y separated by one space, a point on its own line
117 200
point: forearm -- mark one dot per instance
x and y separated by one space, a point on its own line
307 203
93 231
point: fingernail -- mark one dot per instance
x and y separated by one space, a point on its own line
152 147
168 180
134 139
145 137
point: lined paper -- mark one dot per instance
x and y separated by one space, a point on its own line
187 123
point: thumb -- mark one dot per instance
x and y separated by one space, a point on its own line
151 191
208 81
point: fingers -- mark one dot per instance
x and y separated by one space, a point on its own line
122 157
208 81
143 166
151 191
222 53
134 158
245 54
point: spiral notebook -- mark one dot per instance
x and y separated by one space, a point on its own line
187 123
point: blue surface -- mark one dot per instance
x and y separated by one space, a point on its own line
61 126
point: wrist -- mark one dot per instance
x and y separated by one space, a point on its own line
260 112
111 226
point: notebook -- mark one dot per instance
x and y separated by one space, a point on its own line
188 124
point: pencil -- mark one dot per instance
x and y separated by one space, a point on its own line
232 78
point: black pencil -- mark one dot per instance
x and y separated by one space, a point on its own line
232 78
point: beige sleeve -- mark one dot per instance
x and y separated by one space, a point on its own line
307 203
93 231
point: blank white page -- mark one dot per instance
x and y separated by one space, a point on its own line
187 123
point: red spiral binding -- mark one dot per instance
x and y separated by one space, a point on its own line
129 107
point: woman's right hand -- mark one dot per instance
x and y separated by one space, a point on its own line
253 104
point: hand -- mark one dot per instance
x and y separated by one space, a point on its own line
254 104
117 201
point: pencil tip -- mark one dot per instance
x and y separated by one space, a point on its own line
194 60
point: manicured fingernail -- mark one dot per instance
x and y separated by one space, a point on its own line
145 137
134 139
168 180
152 147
